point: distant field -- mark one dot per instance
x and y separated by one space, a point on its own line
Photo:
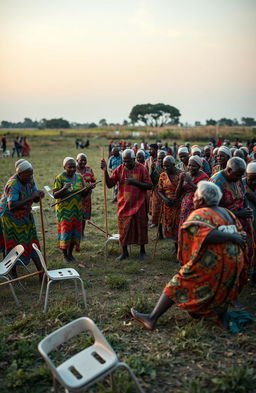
181 356
166 133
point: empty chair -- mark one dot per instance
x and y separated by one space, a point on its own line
7 264
111 238
86 367
57 275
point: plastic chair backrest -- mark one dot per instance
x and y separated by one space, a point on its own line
48 190
12 257
65 333
40 257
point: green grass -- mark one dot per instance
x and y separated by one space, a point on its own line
181 355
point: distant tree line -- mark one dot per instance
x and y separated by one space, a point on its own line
245 121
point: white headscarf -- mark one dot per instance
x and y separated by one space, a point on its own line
197 159
251 167
81 155
22 165
225 150
66 159
183 149
196 149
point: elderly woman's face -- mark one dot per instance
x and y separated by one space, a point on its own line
129 162
168 166
26 176
251 180
70 168
193 167
160 158
184 158
140 158
82 161
234 176
222 158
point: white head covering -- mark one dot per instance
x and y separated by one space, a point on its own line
183 149
197 159
81 155
225 150
129 152
251 167
215 150
22 165
171 159
196 149
141 152
66 159
245 149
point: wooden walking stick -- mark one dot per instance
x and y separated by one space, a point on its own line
105 197
158 228
99 228
75 193
22 277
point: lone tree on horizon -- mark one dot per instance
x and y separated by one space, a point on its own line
155 115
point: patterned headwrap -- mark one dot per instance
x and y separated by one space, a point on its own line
22 165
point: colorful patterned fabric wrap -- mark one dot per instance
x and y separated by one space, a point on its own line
70 212
130 198
187 202
88 177
155 200
18 225
134 229
211 273
171 215
215 169
2 247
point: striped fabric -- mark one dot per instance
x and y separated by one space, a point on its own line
69 213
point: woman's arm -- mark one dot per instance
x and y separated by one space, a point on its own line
218 237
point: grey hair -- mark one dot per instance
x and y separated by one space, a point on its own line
128 153
236 163
140 152
209 192
170 159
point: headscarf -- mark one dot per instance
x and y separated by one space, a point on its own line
183 149
128 151
215 150
22 165
197 159
169 158
81 155
66 159
196 149
225 150
251 167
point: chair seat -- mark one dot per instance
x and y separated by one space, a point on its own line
115 236
86 364
62 274
35 208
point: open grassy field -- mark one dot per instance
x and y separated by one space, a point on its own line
181 356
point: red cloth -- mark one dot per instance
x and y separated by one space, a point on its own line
130 198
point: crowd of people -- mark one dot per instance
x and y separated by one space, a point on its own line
202 198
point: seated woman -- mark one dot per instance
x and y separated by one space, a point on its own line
18 224
69 212
211 251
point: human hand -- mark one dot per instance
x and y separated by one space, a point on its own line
103 165
239 238
245 213
130 181
67 186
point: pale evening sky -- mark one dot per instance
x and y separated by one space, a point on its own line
85 60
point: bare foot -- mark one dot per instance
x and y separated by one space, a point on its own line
144 319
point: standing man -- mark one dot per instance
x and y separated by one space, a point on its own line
133 182
114 161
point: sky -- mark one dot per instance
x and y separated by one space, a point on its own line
85 60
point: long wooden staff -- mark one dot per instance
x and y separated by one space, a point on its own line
105 197
42 226
22 277
158 228
75 193
99 228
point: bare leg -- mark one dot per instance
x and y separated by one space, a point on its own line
143 254
149 320
124 254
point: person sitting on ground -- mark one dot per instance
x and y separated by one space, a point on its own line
133 182
70 212
211 247
18 225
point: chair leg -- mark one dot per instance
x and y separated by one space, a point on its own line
83 292
132 375
42 287
12 291
76 289
46 295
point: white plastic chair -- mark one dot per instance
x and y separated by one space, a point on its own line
36 209
48 190
86 367
7 264
111 238
57 275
